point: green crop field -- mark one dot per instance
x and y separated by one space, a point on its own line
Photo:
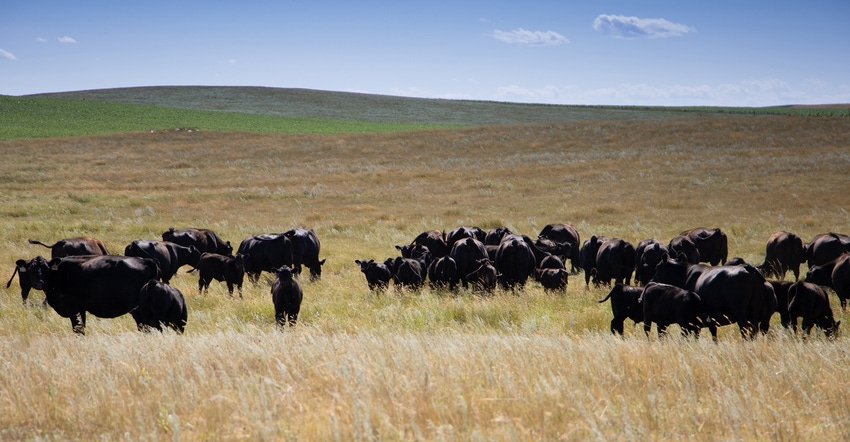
425 364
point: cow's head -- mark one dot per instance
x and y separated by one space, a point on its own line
35 271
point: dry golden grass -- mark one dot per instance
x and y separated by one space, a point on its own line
423 365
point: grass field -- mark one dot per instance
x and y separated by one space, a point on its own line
420 365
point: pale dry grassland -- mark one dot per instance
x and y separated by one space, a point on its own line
424 365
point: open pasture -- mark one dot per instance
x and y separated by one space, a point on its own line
420 365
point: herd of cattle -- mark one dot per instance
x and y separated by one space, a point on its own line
82 276
672 286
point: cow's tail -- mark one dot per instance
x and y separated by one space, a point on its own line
33 241
607 297
8 284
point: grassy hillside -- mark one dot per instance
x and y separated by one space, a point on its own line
422 365
36 117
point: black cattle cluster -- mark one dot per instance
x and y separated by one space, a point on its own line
82 277
469 256
675 288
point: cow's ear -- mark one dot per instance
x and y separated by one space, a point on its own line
296 271
322 262
22 265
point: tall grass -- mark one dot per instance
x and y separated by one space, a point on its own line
425 365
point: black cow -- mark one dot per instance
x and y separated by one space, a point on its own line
79 246
783 252
160 304
484 277
825 247
841 279
305 250
625 303
712 244
106 286
204 240
810 302
466 253
648 254
168 255
495 235
780 290
227 268
418 252
377 274
730 294
615 260
463 232
286 296
515 261
442 273
666 304
587 255
435 240
552 279
28 271
546 246
407 272
265 253
822 274
565 233
684 246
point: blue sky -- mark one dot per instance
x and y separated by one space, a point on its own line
724 53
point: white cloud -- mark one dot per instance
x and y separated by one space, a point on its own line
633 27
41 40
530 38
66 39
7 55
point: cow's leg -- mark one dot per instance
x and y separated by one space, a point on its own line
78 322
617 326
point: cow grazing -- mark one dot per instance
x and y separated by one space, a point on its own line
462 232
730 294
28 271
666 304
648 254
684 246
841 279
564 233
484 277
825 247
587 256
615 260
229 269
418 252
625 303
286 296
810 302
264 253
495 235
106 286
79 246
552 279
204 240
435 240
783 252
407 272
305 251
712 244
377 274
442 273
160 305
466 253
168 255
515 261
